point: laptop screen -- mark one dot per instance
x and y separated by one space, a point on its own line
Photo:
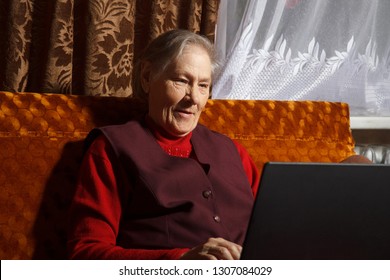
321 211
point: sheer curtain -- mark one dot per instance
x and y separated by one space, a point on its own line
334 50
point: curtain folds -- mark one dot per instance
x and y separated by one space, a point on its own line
306 50
87 47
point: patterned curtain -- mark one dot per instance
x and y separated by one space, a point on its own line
87 47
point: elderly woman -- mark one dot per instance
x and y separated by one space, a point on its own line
163 186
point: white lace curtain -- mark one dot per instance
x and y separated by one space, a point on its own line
334 50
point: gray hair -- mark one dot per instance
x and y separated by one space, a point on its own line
166 48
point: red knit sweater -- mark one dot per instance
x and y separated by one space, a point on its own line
94 237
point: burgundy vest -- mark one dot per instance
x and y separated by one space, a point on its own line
173 202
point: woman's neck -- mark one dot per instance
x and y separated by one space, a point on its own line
172 145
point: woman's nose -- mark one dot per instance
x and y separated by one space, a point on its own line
193 93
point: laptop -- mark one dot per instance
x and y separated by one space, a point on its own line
321 211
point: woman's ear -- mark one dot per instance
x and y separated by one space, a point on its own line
146 69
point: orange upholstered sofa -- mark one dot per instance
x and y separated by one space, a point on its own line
41 143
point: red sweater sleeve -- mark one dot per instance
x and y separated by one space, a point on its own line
96 210
250 168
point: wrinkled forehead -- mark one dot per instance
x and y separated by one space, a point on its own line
193 56
192 48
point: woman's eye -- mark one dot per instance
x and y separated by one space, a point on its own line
205 86
181 81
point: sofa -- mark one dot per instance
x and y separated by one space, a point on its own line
41 147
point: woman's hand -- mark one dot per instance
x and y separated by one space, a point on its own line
214 249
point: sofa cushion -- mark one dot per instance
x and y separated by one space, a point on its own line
292 131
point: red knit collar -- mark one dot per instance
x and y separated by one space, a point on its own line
172 145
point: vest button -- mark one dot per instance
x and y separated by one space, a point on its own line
217 218
206 194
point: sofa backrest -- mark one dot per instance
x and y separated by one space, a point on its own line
41 147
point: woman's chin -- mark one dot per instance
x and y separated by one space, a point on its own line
180 131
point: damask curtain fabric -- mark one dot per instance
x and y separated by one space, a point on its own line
335 50
87 47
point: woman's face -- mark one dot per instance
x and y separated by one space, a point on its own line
178 96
